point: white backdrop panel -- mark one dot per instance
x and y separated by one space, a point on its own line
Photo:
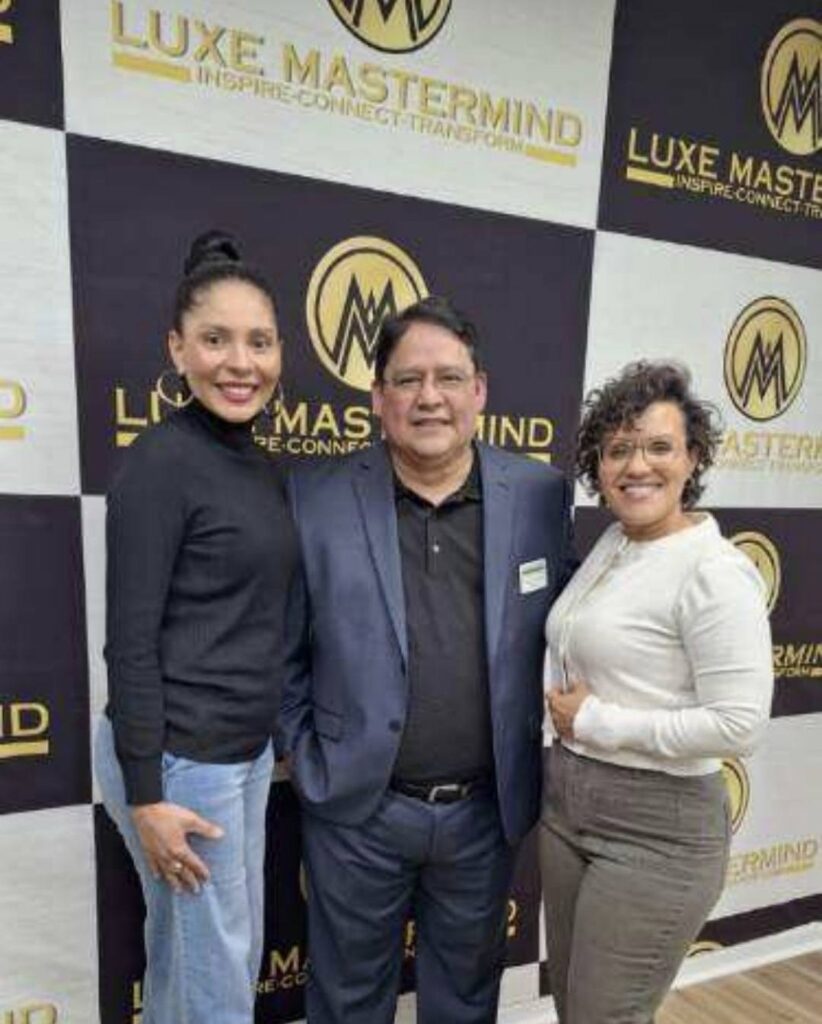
38 410
658 300
48 942
94 570
776 855
121 85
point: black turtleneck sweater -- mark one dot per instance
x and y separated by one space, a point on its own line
201 551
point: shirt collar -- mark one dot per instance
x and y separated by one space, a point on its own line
470 490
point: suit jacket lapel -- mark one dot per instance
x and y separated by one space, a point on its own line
498 536
374 484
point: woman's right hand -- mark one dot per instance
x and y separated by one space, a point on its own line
163 829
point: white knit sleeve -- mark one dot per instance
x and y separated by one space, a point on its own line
727 640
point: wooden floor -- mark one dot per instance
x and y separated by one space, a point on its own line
789 992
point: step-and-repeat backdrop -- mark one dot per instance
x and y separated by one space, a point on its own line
593 181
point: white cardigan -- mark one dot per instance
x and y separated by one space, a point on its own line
672 637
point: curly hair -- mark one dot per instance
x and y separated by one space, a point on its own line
621 400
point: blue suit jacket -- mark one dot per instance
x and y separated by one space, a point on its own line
345 694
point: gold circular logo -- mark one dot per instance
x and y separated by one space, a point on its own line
791 86
739 789
393 26
762 552
354 287
765 357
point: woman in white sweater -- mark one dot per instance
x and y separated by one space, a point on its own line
658 666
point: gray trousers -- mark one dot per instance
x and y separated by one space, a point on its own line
632 863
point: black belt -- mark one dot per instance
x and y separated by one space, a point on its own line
439 792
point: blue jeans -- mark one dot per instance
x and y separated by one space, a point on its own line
203 950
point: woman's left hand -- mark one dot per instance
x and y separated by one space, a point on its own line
563 707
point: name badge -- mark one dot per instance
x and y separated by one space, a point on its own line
533 576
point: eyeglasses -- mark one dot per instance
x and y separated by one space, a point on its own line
412 382
657 451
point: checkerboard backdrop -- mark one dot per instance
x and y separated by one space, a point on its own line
592 180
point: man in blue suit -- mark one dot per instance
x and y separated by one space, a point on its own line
412 709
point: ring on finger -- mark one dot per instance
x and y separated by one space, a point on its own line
176 867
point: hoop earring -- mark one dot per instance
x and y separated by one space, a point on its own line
184 396
278 398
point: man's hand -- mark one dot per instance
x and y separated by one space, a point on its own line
563 707
163 829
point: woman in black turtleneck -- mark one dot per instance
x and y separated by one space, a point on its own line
201 552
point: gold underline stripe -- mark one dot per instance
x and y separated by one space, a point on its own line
12 433
550 156
30 748
6 34
649 177
151 67
125 437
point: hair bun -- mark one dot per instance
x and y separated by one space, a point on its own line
211 248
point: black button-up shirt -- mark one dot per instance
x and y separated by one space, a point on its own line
447 735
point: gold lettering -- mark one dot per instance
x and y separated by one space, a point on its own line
784 181
540 432
6 31
741 170
118 31
404 80
634 155
462 100
209 43
339 75
155 35
512 431
707 161
432 97
121 417
17 400
513 913
295 69
288 964
357 420
242 48
36 727
295 422
662 157
750 445
764 178
730 443
541 119
372 80
42 1014
569 129
493 115
325 421
12 406
34 1013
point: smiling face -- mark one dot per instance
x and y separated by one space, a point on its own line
430 398
643 470
229 349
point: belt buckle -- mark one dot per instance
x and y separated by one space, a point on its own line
451 788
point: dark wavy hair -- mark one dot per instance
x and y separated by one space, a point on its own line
621 400
214 256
